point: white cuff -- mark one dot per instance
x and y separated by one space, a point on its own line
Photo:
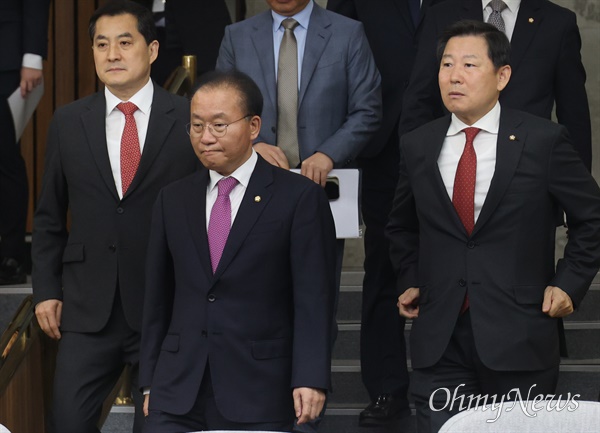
33 61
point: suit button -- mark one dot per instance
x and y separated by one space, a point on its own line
204 333
462 283
112 248
120 210
471 244
273 130
211 298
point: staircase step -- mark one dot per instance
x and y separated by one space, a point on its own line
583 340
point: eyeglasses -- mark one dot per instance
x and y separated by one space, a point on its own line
218 130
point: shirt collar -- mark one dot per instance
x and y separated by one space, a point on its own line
242 173
489 123
303 17
142 99
513 5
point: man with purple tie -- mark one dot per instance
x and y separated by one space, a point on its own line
241 281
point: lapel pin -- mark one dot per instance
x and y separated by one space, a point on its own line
257 198
530 20
512 138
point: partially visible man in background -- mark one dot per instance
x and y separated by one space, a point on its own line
24 31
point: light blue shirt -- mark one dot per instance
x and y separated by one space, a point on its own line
303 18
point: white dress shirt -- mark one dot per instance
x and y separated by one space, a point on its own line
242 174
509 14
303 18
485 145
115 123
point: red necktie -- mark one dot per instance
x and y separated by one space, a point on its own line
130 146
219 224
463 195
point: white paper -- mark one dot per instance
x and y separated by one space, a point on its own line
22 108
345 209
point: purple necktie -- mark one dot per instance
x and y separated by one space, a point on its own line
220 221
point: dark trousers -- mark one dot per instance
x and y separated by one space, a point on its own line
205 415
13 177
460 370
87 367
382 343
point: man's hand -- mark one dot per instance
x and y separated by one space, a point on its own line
30 79
146 404
408 303
556 302
272 154
308 403
48 314
317 167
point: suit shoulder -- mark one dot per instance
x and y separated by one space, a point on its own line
251 22
77 106
417 135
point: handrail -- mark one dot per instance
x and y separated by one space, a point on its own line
182 79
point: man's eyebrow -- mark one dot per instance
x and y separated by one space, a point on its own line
122 35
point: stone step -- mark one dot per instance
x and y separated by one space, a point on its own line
583 340
580 377
350 301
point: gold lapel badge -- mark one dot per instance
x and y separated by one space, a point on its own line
530 20
512 138
257 198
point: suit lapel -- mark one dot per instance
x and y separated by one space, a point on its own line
317 38
436 137
159 126
248 213
528 21
262 39
93 121
508 153
196 214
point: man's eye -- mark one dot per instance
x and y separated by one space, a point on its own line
220 125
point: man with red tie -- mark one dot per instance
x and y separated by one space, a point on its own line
107 157
472 235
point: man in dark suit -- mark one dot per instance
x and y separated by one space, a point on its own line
391 29
472 236
240 285
24 28
88 278
545 61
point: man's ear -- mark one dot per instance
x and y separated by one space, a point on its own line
153 50
255 123
503 74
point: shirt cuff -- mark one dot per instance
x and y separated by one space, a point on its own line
33 61
146 390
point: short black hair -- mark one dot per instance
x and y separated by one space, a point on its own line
497 42
250 94
145 19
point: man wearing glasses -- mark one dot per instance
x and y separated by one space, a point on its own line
240 281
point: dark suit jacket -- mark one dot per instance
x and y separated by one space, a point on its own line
392 37
339 101
508 260
24 29
262 320
545 60
105 245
